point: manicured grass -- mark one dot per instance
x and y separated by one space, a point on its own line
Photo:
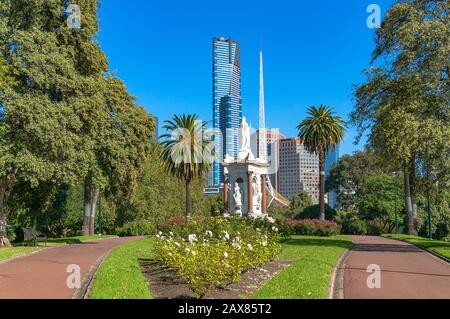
10 252
308 277
76 239
437 246
120 277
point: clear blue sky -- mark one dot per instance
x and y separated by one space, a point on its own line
313 52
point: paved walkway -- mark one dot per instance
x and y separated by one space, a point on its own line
406 271
43 275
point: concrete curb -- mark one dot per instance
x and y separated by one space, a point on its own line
336 286
86 284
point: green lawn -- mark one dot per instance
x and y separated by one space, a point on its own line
437 246
308 277
10 252
75 240
120 277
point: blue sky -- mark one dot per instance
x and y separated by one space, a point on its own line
314 51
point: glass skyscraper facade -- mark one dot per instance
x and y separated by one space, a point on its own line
331 158
227 101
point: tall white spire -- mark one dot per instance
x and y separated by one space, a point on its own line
262 150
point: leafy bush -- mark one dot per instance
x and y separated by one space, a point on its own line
350 223
137 228
314 227
214 252
313 212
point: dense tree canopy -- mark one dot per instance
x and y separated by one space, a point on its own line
65 121
404 101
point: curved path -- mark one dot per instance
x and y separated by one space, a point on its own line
406 271
43 275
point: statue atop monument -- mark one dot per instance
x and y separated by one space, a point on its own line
245 152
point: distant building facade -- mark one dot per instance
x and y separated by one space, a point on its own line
298 169
331 158
272 138
227 101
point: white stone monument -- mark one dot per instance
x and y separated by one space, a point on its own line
247 177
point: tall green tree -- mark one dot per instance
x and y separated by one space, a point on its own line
119 140
64 122
320 132
188 150
39 126
404 102
348 174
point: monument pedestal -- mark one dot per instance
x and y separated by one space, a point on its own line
245 190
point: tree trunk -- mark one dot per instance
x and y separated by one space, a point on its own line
412 186
87 210
6 185
188 198
408 203
90 207
322 184
94 201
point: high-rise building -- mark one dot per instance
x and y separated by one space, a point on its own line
298 169
227 101
331 158
271 137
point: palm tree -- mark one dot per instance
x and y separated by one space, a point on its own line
187 150
320 132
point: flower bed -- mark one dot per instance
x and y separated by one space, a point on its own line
313 227
213 252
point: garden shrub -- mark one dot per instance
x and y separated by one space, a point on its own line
137 228
314 227
313 212
350 223
213 252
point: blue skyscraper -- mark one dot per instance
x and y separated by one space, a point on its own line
227 101
331 158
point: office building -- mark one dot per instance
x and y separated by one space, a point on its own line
298 169
227 102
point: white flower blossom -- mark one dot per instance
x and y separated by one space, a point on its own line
208 233
177 244
193 253
170 254
275 229
236 245
192 238
225 254
264 243
226 235
187 250
250 247
271 220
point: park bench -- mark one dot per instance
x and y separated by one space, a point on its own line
30 234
